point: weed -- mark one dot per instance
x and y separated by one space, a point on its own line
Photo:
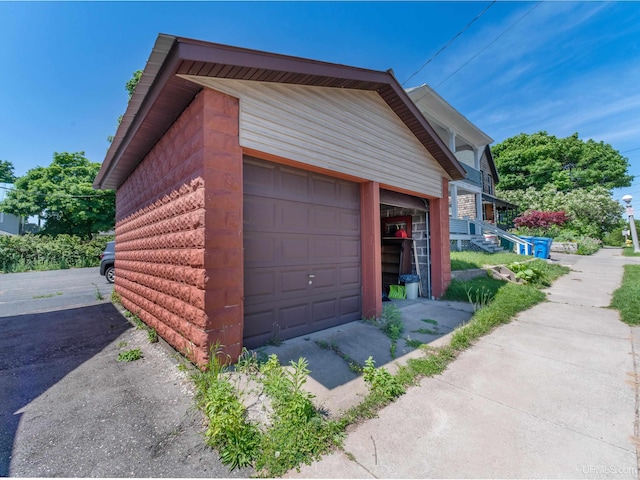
99 295
130 355
428 320
115 298
122 344
354 366
412 342
236 439
381 383
392 325
479 298
299 433
139 324
152 335
48 295
426 331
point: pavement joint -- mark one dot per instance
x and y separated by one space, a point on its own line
558 327
533 415
531 354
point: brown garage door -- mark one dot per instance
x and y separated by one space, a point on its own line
301 252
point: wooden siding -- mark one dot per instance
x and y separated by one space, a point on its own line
352 132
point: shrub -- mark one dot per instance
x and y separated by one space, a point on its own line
540 219
41 252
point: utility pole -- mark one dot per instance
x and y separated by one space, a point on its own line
632 224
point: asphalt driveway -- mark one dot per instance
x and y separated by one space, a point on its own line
69 409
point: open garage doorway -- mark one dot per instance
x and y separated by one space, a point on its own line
404 222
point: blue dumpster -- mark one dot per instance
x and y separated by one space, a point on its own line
542 247
525 249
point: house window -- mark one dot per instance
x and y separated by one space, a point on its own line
489 184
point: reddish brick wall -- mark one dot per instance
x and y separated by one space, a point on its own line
440 245
179 256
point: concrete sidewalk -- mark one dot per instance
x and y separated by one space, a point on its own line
553 394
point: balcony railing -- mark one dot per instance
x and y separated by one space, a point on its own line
474 177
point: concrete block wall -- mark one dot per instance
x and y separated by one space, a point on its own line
179 232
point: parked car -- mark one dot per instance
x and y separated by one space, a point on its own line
107 262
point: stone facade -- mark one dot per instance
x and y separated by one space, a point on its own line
466 206
179 232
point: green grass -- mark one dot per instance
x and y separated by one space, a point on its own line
469 260
626 299
509 300
458 289
628 252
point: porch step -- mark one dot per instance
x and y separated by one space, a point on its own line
486 246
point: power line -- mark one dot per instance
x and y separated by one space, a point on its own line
449 42
431 89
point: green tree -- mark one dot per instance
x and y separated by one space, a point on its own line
6 172
62 194
593 212
130 86
568 163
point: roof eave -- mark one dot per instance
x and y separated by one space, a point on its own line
160 89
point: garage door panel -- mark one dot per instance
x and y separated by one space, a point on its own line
261 284
259 177
350 276
260 250
312 233
325 220
350 250
348 223
293 316
262 215
294 281
324 309
350 307
259 323
324 248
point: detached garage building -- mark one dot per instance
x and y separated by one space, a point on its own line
253 193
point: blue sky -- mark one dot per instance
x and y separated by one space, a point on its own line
563 67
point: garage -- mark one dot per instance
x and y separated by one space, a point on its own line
249 192
301 251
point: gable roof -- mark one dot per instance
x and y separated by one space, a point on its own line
443 113
161 96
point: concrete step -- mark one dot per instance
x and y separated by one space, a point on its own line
487 246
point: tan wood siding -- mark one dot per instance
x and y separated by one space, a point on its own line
348 131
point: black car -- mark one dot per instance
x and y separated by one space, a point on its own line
107 261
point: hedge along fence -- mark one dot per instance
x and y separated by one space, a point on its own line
41 252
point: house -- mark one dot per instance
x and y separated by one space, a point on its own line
9 224
255 194
473 206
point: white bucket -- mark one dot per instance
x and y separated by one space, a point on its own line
412 290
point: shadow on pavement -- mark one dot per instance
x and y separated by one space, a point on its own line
38 350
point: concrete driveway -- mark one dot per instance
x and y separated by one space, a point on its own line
69 409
